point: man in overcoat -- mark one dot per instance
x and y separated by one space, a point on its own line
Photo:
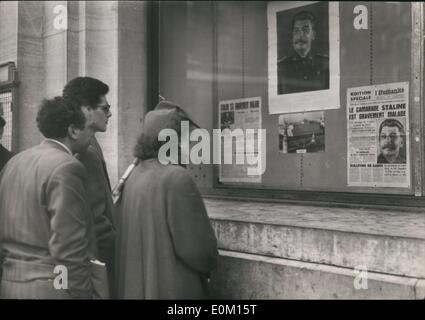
91 93
46 235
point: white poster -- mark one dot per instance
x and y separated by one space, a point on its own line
378 135
303 55
237 116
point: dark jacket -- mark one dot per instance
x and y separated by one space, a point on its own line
399 159
5 156
100 203
296 74
99 197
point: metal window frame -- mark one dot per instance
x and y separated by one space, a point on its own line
332 198
347 198
11 85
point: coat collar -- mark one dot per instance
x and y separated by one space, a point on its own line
57 145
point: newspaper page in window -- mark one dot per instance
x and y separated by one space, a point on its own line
235 118
378 151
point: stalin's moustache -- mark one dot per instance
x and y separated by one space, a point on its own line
390 146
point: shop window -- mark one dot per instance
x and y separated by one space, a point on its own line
6 113
8 99
224 61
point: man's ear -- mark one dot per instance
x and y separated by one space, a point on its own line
73 132
88 113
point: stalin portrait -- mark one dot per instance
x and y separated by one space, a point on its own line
305 69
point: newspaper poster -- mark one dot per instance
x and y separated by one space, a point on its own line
235 117
378 151
302 132
303 56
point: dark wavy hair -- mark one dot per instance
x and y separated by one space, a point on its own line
84 91
147 147
304 15
54 117
392 123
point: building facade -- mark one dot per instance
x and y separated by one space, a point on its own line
319 222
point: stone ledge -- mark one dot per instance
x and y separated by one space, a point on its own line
247 276
396 223
380 240
397 256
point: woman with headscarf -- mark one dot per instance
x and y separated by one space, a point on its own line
166 246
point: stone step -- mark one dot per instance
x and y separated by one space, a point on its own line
247 276
381 241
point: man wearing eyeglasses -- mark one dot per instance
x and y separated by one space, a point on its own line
92 93
391 142
303 70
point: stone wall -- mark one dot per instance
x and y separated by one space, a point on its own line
283 251
52 42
